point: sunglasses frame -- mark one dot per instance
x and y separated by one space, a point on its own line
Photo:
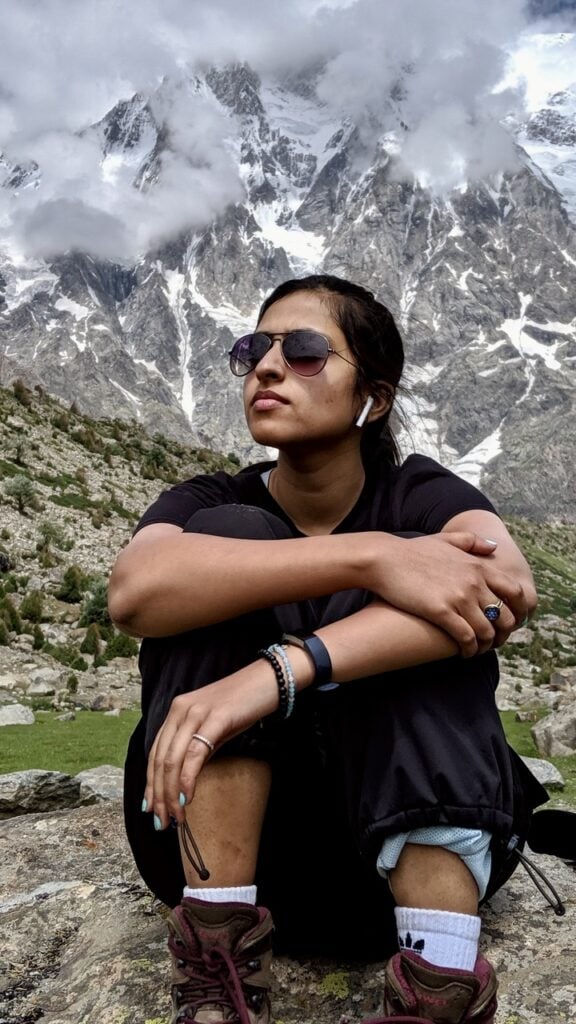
281 336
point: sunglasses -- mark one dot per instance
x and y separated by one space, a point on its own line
305 352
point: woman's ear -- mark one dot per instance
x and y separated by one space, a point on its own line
376 405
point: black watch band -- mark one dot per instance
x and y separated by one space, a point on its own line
318 654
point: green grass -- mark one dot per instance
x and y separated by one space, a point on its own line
90 740
519 736
94 739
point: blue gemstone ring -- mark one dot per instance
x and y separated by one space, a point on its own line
492 611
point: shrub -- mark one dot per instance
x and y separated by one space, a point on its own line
22 489
95 606
6 563
67 654
32 606
52 533
62 422
39 638
72 683
91 642
74 584
22 393
9 613
4 638
121 646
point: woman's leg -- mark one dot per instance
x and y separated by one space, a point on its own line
220 941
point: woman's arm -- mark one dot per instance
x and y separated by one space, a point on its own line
166 581
374 640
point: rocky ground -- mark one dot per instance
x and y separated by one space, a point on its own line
83 942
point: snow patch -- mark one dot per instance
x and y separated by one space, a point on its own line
76 309
470 465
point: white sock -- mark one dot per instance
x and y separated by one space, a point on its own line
231 894
438 936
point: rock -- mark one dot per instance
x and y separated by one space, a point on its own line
546 773
531 715
563 680
36 790
106 782
68 716
41 690
16 714
555 735
114 713
9 681
49 676
103 702
98 948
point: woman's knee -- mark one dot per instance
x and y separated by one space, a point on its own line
244 522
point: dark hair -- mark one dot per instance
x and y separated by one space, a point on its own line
373 338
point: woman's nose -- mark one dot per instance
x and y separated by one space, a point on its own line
272 364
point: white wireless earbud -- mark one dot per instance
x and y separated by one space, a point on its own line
365 412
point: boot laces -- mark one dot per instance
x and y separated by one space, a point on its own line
214 978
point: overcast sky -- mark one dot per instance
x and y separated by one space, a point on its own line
65 63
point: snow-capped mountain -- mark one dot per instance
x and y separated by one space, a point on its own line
482 280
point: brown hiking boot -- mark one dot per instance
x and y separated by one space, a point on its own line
439 995
221 955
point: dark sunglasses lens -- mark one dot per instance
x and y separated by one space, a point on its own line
247 352
305 352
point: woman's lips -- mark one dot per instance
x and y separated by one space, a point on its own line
264 400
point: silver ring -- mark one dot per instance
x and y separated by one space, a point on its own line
207 743
492 611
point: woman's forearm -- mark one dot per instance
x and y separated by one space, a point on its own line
379 639
185 581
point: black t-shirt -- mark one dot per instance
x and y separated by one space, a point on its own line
418 496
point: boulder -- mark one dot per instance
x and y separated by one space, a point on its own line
74 908
36 790
16 714
10 681
555 735
106 782
46 676
546 773
563 679
41 690
67 716
103 702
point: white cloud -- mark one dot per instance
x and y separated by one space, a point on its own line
64 64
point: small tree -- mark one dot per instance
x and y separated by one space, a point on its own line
95 607
9 613
39 638
74 584
21 393
32 606
121 646
91 642
4 638
21 488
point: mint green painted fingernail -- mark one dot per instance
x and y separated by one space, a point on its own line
157 823
182 800
144 805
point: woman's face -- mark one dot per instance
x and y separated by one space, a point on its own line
318 410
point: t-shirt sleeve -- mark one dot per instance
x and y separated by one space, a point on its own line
427 496
179 503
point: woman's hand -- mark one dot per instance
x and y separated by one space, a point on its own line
449 579
218 711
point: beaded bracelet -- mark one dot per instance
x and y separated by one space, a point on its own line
281 653
282 688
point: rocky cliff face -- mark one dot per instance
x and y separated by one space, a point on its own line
482 281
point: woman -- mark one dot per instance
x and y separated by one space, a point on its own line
356 781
